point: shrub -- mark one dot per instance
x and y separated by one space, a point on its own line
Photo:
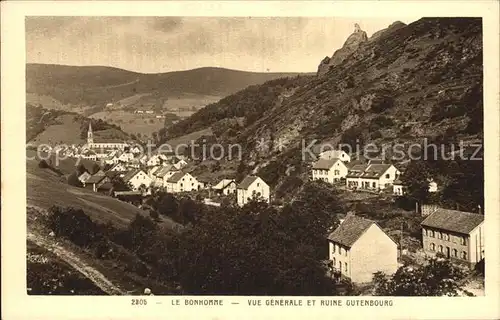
73 180
43 164
74 225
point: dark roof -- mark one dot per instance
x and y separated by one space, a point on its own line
398 182
176 177
350 230
324 164
453 220
245 183
112 174
370 171
105 186
96 178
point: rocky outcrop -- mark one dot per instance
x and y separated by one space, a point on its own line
384 32
352 44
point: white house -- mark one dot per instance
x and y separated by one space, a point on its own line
371 176
135 150
162 174
155 160
120 167
225 186
84 177
359 247
252 186
329 170
180 182
335 154
126 157
136 178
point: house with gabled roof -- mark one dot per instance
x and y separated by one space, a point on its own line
458 235
119 167
251 187
181 182
161 175
359 247
335 154
96 180
331 170
84 177
137 177
371 176
225 186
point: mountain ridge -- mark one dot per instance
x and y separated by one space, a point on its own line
433 65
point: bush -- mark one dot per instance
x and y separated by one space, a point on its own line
74 225
73 180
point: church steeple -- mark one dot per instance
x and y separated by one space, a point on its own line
90 136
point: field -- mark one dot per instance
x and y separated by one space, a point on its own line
187 139
66 131
131 123
46 188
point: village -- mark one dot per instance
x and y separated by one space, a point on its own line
354 247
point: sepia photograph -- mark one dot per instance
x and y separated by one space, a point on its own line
283 160
191 155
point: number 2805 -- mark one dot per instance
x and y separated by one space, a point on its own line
139 302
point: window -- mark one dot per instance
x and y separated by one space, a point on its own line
464 255
333 261
432 247
441 248
340 250
345 252
374 184
336 172
258 184
455 253
431 233
333 248
439 235
463 241
340 265
446 237
387 176
345 266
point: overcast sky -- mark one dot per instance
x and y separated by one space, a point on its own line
161 44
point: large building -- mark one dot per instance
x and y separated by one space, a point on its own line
106 146
458 235
371 176
331 170
359 247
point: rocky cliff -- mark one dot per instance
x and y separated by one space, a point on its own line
353 42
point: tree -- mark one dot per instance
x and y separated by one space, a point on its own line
247 251
80 169
119 184
43 164
416 179
95 168
73 180
439 277
313 215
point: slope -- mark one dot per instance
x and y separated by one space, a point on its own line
409 83
74 86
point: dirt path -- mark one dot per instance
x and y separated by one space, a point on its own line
74 261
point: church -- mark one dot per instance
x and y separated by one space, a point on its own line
103 145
